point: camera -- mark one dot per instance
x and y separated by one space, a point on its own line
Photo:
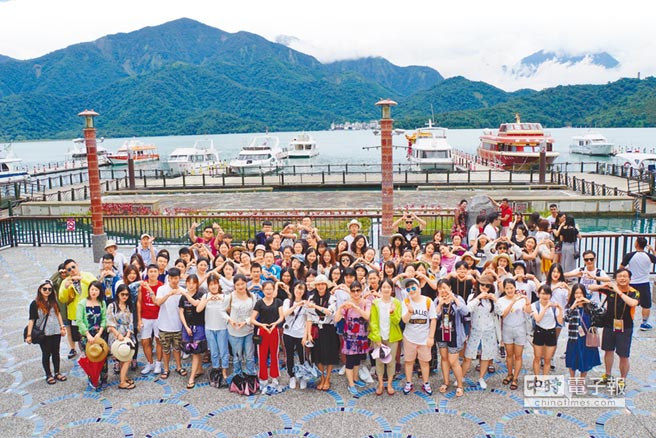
286 326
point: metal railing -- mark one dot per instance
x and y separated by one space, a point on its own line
173 230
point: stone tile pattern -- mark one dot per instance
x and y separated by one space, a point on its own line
158 407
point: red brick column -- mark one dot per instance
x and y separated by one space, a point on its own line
94 181
387 175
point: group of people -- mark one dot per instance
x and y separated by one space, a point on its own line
486 292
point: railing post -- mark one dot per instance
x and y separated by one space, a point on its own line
448 176
144 180
406 176
72 194
163 179
223 179
85 192
581 166
344 175
510 174
323 176
262 176
184 180
243 183
59 196
489 176
468 176
203 180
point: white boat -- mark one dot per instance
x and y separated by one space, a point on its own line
591 143
77 154
140 151
637 161
302 146
10 167
262 155
428 149
200 159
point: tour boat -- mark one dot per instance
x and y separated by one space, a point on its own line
10 167
516 145
638 161
200 159
302 146
428 149
77 154
591 143
140 152
262 155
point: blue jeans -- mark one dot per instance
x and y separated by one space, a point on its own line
242 348
217 341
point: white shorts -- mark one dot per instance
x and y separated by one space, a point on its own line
149 328
514 335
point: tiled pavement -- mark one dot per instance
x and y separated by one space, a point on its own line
30 407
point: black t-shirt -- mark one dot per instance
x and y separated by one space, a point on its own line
617 308
461 288
192 316
409 234
428 291
569 234
268 314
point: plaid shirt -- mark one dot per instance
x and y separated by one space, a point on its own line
573 319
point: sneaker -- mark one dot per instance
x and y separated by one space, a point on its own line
275 384
365 375
407 389
645 326
552 367
342 370
303 384
292 383
353 390
147 369
604 379
502 352
359 383
264 386
185 356
72 353
158 367
482 384
427 388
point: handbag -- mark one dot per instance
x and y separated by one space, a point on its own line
592 338
257 339
38 333
314 332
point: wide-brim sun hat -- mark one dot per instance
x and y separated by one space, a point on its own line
346 253
97 351
299 257
232 250
470 254
382 353
502 256
354 222
124 350
110 243
321 279
486 279
396 236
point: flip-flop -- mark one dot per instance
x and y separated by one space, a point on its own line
379 390
61 377
129 386
443 388
191 385
51 380
460 392
181 371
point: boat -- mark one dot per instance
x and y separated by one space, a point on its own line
428 149
637 161
591 143
302 145
10 167
516 146
140 152
200 159
262 155
77 154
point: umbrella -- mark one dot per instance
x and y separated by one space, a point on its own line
92 369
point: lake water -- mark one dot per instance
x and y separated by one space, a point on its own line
337 147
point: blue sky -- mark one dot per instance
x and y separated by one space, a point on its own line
475 39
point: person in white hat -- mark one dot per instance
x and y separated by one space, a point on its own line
120 260
354 228
146 249
120 327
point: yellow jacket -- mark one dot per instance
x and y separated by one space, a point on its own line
70 297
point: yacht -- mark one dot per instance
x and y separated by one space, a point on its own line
77 154
428 149
200 159
591 143
10 167
140 151
302 146
262 155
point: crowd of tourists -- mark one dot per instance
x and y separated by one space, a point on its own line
440 303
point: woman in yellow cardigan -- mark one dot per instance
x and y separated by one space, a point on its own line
385 329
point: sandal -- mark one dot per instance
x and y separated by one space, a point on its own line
443 388
491 369
51 380
128 386
514 385
390 390
379 390
130 381
61 377
164 375
191 385
181 371
506 380
460 391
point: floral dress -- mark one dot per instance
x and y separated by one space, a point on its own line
89 320
356 331
121 320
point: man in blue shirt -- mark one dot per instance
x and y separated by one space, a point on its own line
270 271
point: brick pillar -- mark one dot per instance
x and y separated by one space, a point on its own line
94 181
387 176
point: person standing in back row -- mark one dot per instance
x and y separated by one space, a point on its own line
640 262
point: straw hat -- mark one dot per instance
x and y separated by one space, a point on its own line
502 256
470 254
486 279
123 351
396 235
232 250
110 243
354 222
321 278
98 351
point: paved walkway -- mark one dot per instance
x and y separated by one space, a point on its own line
30 407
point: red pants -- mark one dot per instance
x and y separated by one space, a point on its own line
269 346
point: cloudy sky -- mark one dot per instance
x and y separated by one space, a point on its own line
474 38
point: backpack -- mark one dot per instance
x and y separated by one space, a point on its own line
537 307
428 302
244 384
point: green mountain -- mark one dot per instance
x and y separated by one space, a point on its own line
184 77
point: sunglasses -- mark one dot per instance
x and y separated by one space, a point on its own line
71 268
356 290
123 295
49 289
485 285
408 222
588 259
411 288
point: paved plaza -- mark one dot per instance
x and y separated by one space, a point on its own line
30 407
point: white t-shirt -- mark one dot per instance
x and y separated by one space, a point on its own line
169 318
587 280
490 232
383 318
214 319
294 325
515 317
548 321
227 286
417 328
560 295
473 234
526 288
240 311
